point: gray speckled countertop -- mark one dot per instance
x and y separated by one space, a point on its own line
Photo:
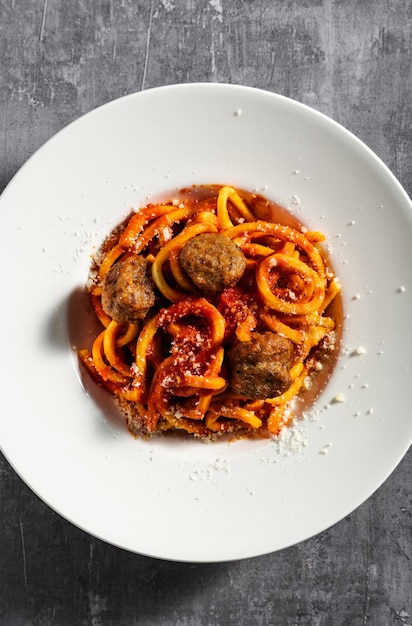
350 59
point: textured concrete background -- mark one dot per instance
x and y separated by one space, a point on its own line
351 59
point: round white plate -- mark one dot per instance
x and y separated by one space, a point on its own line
187 500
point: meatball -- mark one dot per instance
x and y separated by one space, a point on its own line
212 262
128 289
260 367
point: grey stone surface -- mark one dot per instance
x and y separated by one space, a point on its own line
351 59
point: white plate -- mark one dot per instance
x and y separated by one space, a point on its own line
186 500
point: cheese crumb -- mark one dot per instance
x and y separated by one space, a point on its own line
339 397
291 440
325 449
359 351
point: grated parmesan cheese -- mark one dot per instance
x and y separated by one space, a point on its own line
359 351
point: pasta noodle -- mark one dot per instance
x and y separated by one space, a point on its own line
185 359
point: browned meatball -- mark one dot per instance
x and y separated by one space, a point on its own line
212 262
260 367
128 289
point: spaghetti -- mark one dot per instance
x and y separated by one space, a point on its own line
214 320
